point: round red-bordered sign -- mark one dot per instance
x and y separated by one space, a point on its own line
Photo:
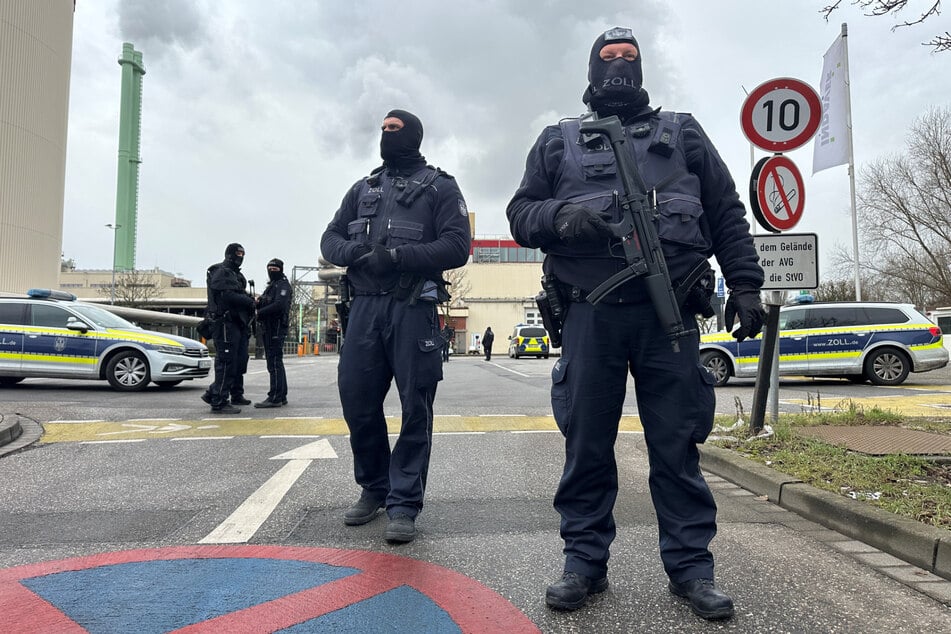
777 193
781 114
131 591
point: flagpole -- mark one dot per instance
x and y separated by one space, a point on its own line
848 125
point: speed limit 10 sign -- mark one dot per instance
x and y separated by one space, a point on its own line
781 114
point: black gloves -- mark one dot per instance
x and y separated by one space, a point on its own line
377 260
744 303
575 224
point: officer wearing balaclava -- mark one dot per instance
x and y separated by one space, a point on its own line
396 231
274 307
565 205
231 308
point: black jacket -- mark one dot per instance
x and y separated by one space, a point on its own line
693 165
275 304
429 233
226 295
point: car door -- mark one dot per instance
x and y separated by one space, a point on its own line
51 348
837 337
12 319
792 340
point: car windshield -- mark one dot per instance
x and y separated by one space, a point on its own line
101 317
532 332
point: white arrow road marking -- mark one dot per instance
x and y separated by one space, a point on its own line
241 525
133 426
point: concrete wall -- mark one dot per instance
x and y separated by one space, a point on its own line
36 39
501 295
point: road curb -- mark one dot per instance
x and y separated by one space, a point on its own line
10 430
18 433
927 547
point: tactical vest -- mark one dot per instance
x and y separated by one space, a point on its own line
589 176
393 211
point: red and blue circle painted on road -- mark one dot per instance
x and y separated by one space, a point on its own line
204 589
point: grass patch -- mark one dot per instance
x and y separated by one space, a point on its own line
905 485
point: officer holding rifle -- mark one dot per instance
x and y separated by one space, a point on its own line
628 217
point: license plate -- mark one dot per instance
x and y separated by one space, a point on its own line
204 363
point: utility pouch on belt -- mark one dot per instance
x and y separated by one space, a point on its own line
343 306
409 287
551 307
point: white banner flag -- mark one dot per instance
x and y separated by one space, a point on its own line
832 140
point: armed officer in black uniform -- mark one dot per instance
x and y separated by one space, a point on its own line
274 307
396 230
568 194
231 307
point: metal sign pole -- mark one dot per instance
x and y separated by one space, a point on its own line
765 367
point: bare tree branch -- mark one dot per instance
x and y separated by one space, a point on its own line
134 289
877 8
904 205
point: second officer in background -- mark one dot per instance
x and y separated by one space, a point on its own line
274 307
230 307
396 231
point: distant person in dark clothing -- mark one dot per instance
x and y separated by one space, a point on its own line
487 338
274 307
230 307
448 334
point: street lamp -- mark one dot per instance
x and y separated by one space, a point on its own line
112 292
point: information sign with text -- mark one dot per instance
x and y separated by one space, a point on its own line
790 261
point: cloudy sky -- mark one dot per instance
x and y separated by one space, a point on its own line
257 116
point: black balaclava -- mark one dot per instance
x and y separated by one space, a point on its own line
275 275
231 254
615 87
400 149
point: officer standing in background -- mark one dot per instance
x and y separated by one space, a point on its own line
231 307
567 195
397 230
274 307
449 334
488 337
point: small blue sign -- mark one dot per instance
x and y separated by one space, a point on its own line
721 287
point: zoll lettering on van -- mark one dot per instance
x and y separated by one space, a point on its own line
789 260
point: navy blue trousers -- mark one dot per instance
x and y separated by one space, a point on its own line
274 353
390 339
676 403
231 342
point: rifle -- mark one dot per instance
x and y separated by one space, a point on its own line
642 250
253 321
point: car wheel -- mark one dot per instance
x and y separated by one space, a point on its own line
165 385
887 366
718 365
545 356
516 354
10 381
128 371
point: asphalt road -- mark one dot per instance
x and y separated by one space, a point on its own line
501 387
116 472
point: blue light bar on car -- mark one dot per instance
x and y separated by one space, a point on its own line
46 293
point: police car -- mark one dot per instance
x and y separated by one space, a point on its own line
50 334
859 341
529 340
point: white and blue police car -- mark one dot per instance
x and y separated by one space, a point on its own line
49 334
880 342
